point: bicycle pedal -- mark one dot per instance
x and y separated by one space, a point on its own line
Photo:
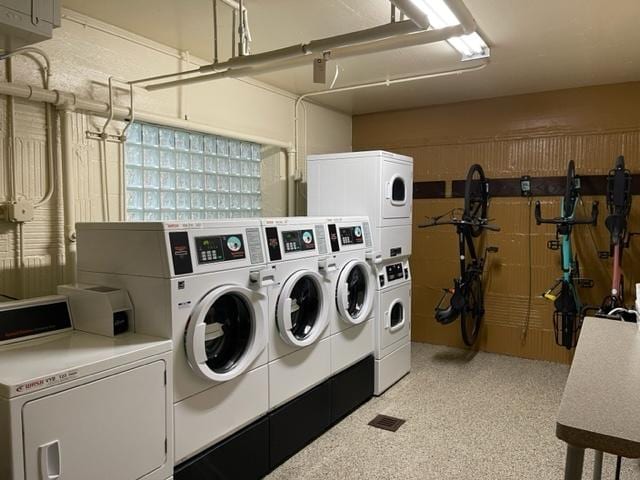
553 245
604 255
585 282
549 296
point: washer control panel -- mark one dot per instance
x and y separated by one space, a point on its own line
351 235
289 241
298 240
393 273
220 248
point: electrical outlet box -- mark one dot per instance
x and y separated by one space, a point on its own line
25 22
525 186
20 211
319 70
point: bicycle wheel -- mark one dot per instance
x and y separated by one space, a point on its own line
570 191
475 198
471 315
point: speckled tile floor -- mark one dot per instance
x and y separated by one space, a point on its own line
469 416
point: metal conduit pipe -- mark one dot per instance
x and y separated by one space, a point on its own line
68 194
408 40
301 50
413 12
292 164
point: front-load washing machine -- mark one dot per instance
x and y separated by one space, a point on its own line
393 336
299 304
353 290
203 285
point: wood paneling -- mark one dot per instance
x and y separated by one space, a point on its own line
533 135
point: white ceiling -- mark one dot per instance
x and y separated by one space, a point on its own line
535 45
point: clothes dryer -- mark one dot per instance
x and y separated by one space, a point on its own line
377 184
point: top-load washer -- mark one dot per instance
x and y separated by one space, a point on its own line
376 183
353 290
75 405
299 304
203 286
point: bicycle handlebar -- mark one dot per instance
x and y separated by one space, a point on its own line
481 224
567 221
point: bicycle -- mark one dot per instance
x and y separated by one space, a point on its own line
568 314
619 207
467 296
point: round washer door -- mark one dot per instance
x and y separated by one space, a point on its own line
354 292
396 316
225 333
301 312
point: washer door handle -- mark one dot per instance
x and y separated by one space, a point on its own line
50 461
286 314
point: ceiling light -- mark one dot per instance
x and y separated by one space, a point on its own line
471 46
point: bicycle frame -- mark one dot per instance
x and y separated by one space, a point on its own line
568 312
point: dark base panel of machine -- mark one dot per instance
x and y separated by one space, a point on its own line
351 388
271 440
297 423
244 455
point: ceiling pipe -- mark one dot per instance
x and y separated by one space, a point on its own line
293 161
392 43
302 50
413 12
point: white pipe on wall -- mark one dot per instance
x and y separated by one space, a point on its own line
68 194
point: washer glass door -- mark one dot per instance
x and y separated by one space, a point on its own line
222 333
301 312
354 292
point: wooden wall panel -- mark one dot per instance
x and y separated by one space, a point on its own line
512 136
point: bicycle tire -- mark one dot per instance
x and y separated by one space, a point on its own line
570 192
475 197
471 315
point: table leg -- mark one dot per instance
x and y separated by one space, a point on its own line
575 461
597 465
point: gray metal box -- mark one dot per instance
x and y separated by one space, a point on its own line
24 22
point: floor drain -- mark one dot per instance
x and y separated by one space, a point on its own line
386 422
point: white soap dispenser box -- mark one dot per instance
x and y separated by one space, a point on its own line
99 309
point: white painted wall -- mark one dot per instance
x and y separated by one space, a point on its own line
84 54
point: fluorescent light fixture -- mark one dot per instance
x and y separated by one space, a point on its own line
471 46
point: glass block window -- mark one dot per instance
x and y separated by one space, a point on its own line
173 174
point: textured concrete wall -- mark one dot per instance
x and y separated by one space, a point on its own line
84 54
533 135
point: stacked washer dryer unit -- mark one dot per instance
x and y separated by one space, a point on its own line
377 184
203 285
299 347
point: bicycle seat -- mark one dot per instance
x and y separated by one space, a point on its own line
616 224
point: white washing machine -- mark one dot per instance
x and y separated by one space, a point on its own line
299 304
75 405
203 285
353 289
393 329
377 184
